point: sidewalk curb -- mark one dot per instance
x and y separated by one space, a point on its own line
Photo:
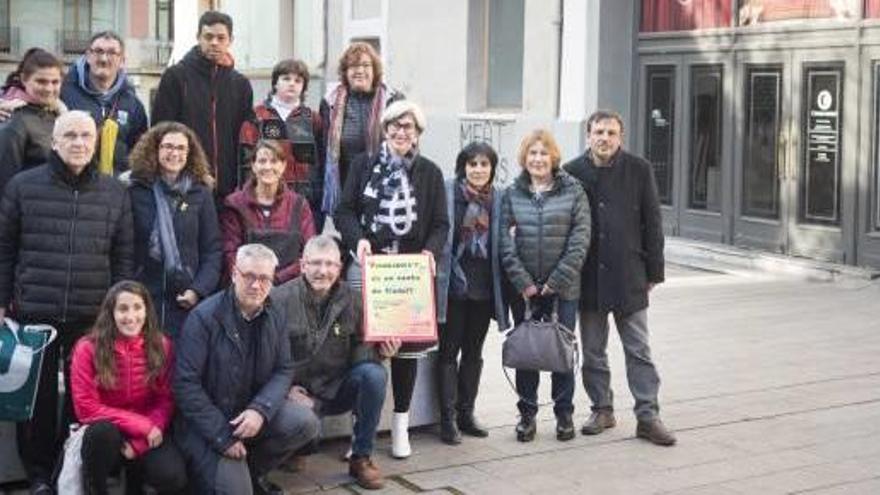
726 258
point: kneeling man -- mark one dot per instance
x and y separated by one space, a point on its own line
233 373
335 371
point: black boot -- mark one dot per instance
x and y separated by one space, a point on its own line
447 382
468 385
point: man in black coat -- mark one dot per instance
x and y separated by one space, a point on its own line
65 237
624 262
233 372
206 93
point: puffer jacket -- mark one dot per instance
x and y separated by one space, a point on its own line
133 405
207 384
25 140
64 240
545 238
325 349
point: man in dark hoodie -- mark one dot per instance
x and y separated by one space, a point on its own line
97 83
205 92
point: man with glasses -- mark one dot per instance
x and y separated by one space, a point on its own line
65 238
233 372
97 83
334 370
205 92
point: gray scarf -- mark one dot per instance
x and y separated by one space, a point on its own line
163 241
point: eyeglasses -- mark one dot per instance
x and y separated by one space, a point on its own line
407 127
100 52
180 148
250 278
323 263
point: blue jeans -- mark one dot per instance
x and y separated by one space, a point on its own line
562 389
363 393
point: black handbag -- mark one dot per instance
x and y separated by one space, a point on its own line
540 345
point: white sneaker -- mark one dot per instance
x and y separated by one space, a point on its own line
400 447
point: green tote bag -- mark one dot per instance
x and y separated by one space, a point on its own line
21 358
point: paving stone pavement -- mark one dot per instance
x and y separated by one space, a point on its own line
772 385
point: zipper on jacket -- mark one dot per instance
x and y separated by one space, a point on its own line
71 237
541 238
214 124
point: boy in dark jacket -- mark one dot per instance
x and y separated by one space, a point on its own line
65 238
205 92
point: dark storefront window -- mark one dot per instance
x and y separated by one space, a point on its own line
751 12
820 166
705 152
760 181
875 224
659 132
675 15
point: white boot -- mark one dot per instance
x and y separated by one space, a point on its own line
400 448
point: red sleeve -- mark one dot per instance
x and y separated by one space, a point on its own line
162 408
233 236
87 400
307 231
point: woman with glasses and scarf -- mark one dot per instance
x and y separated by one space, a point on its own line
394 203
471 288
350 113
178 253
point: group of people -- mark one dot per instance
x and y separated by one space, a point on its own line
206 323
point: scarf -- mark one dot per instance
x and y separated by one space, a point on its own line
474 230
390 188
284 109
163 241
338 96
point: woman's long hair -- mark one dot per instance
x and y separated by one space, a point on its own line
104 335
144 158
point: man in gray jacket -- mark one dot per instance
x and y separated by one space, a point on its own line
624 262
334 370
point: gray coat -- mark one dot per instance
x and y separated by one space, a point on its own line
444 263
323 350
545 238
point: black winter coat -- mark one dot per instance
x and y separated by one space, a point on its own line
64 240
25 140
627 249
198 240
214 101
209 359
544 240
323 350
432 224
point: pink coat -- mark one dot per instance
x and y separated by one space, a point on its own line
132 405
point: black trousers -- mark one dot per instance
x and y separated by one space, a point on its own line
403 382
40 440
163 468
467 322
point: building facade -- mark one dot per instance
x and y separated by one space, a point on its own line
761 120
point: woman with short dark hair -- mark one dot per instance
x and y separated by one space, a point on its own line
471 288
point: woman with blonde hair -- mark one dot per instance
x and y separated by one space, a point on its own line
178 252
545 218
